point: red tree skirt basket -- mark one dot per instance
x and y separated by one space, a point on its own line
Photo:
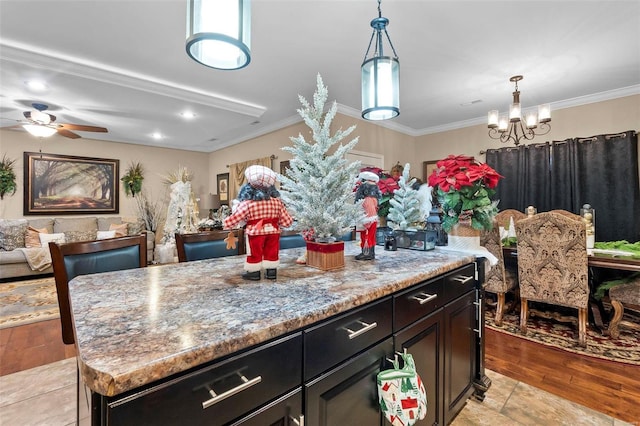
325 256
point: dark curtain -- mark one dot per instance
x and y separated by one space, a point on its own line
526 175
600 170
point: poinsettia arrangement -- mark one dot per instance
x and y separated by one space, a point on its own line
464 188
387 184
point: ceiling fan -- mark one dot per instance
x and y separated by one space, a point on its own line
40 123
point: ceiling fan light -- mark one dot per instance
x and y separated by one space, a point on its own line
39 131
40 117
219 33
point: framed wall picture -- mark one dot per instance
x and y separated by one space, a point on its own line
427 168
223 188
64 184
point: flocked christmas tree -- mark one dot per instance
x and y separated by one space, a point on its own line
405 212
318 187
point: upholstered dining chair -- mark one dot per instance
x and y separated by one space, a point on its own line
89 257
498 280
621 296
504 217
552 265
209 245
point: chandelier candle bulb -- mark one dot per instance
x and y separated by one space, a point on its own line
514 112
544 113
532 120
503 124
493 118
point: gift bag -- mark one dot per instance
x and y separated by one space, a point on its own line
402 396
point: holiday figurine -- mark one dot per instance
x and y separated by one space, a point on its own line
369 192
264 213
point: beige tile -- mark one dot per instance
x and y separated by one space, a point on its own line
479 414
499 391
39 380
532 406
54 408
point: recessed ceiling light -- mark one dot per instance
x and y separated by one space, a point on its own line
36 85
188 115
157 135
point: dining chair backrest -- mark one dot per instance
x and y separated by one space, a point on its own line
567 214
552 264
210 244
498 279
89 257
291 239
504 217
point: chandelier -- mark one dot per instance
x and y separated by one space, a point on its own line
380 76
513 127
219 33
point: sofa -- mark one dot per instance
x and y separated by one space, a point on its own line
24 242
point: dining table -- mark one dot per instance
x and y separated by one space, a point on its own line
596 259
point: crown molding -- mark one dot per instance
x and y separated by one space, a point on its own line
33 56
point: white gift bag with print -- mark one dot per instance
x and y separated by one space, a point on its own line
402 396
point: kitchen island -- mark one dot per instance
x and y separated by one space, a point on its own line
178 337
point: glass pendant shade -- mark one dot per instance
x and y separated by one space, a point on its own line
380 88
219 33
39 131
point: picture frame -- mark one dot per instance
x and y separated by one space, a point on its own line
427 168
66 184
223 188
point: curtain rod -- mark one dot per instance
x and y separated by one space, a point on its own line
272 156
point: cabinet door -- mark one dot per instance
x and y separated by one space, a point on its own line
460 353
424 341
286 411
348 394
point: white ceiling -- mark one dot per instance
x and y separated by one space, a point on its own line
122 64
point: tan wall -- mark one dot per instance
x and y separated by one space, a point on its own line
586 120
611 116
157 163
396 147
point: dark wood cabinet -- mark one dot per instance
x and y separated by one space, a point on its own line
459 353
325 374
424 340
348 394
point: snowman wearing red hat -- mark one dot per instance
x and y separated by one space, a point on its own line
264 212
368 191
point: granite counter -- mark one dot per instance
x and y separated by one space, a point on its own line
138 326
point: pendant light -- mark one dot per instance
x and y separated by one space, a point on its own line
380 76
219 33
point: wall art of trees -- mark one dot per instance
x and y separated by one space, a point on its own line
65 184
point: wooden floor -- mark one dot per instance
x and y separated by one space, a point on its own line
605 386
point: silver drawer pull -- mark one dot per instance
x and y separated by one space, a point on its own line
462 279
425 297
366 327
298 421
217 398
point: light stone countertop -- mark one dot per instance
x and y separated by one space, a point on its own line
138 326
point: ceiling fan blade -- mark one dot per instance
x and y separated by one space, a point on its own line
15 126
82 127
67 133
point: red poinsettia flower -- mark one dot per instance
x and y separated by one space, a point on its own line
464 186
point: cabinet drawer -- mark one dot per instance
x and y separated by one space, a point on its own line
459 282
417 302
331 342
241 383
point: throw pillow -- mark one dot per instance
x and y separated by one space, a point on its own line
105 222
103 235
12 233
45 239
32 238
76 236
121 230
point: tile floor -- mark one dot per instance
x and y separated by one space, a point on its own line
46 396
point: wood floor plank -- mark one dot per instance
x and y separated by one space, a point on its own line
608 387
